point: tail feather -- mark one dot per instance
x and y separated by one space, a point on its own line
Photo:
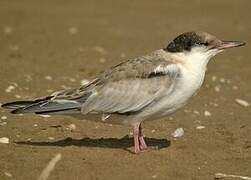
17 104
42 107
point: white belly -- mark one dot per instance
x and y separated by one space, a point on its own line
183 89
187 86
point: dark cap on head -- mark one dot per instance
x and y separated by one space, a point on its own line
188 40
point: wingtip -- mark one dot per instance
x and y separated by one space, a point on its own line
17 111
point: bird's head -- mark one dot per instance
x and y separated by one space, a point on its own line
200 45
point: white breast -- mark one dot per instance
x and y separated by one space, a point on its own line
192 68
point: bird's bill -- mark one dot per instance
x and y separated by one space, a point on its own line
230 44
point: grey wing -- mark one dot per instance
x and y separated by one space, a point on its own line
132 85
127 96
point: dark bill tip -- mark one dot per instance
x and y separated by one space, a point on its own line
230 44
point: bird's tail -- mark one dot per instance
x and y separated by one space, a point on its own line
43 106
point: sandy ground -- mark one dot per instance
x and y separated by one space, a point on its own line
46 46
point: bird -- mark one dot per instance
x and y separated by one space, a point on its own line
139 89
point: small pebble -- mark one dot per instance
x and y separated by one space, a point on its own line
214 78
242 102
217 88
9 88
153 131
17 96
49 78
28 78
122 55
178 132
154 176
51 138
71 127
4 117
7 174
14 47
44 115
4 140
196 112
102 60
35 125
171 118
235 87
73 30
49 90
3 123
200 127
7 29
72 79
207 113
101 50
222 80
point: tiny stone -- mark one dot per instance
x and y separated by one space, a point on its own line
35 125
214 78
28 78
207 113
222 80
186 111
171 118
7 29
178 132
154 176
44 115
49 78
73 30
72 80
235 87
7 174
17 96
14 47
4 140
72 127
153 131
9 88
242 102
102 60
217 88
101 50
51 138
200 127
3 123
4 117
122 55
196 112
49 90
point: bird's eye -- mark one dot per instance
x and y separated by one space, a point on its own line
206 43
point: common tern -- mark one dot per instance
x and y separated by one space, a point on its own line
145 88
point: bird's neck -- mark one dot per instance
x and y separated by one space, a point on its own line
194 62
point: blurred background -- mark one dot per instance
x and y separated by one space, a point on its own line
51 45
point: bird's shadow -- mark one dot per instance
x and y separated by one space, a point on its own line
122 143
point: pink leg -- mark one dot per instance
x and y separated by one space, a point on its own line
136 138
142 142
139 142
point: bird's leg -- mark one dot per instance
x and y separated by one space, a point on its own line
142 142
139 142
136 138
